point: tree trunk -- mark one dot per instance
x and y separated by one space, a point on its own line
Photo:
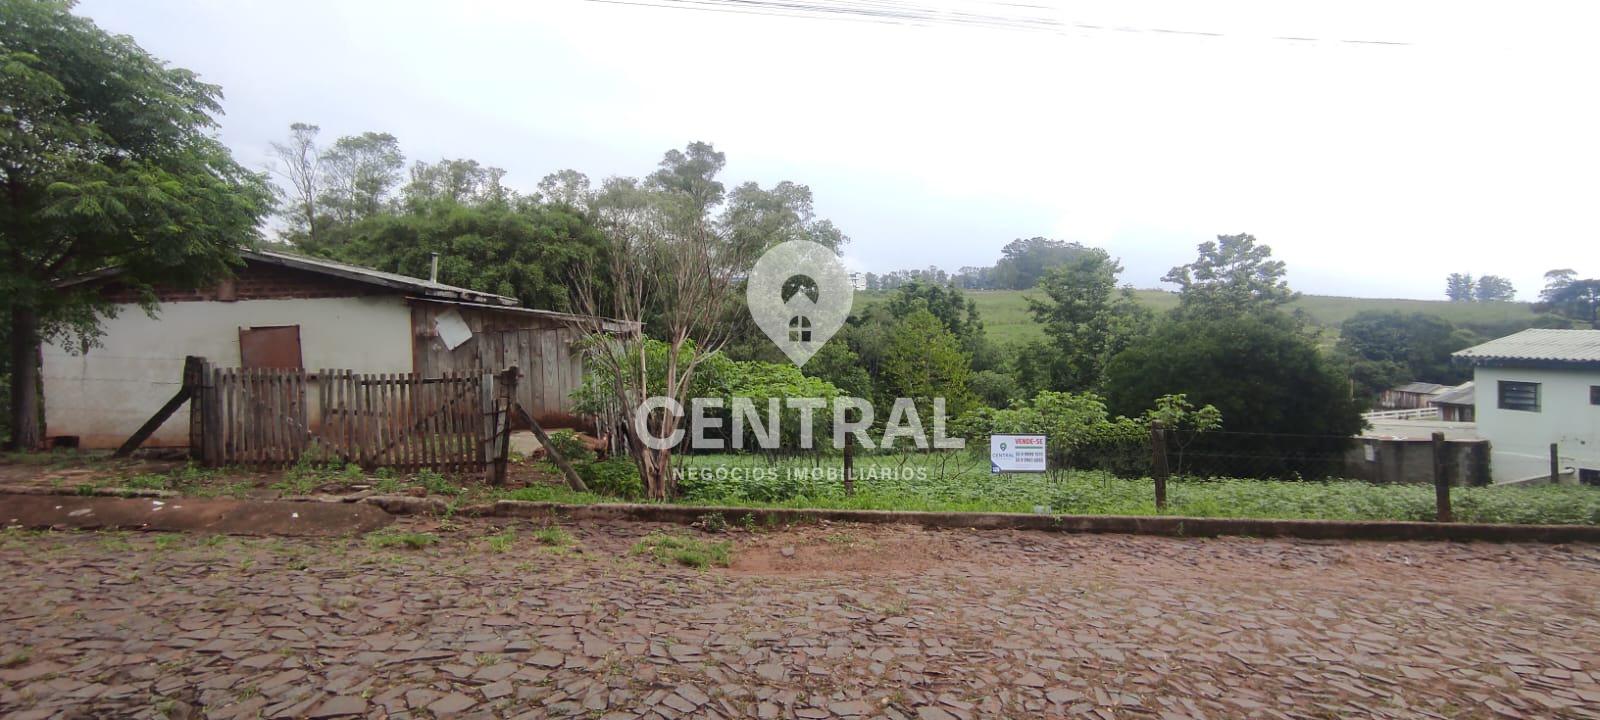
25 433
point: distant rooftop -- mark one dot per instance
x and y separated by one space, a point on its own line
1459 395
1421 388
1538 348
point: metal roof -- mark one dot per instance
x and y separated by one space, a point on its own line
1538 347
427 288
1462 394
607 324
1421 388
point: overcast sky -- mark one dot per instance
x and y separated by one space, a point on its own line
1373 170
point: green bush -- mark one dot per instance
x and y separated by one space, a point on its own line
571 448
616 477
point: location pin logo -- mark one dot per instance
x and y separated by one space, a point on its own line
799 295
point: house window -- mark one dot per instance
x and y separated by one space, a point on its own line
1594 394
1516 395
800 329
270 347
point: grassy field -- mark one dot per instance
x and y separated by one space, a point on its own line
1006 319
962 482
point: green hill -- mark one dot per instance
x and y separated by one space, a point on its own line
1005 312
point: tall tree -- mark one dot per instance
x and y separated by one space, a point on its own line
1024 260
461 181
109 158
1233 276
688 178
565 187
1460 287
1087 318
1570 297
757 218
924 361
363 171
299 163
1387 348
1493 288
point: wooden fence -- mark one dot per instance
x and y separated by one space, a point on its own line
454 423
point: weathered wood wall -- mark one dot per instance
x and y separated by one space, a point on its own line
543 348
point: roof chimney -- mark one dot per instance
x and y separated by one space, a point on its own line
433 273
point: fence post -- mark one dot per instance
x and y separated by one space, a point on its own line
486 440
194 372
1555 464
1441 478
849 463
1158 457
508 388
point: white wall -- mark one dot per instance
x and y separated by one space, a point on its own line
1520 440
104 395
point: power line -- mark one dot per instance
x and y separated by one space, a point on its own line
986 14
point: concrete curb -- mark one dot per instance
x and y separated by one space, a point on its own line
1134 525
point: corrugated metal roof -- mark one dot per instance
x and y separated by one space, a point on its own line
1420 388
378 277
1462 394
1557 346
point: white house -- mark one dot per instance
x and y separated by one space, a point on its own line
288 311
1535 388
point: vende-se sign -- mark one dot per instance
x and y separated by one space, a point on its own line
1016 453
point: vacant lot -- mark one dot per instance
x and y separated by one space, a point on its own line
822 621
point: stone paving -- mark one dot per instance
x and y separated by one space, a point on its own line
814 622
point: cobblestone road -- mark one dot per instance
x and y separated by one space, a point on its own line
817 622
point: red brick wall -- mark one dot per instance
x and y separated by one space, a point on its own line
258 281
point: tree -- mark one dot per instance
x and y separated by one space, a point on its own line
461 181
529 251
362 171
108 158
1292 405
1233 276
1087 318
1460 287
1024 261
666 258
1571 298
565 187
1389 348
924 361
758 219
299 162
688 178
1493 288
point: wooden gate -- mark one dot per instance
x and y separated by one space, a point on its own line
399 420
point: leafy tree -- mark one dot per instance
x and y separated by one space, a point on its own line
565 187
1493 288
1268 381
362 172
1087 318
1388 348
1024 261
529 252
1571 298
924 361
1072 421
1460 287
461 181
758 219
689 177
1233 276
299 162
109 158
995 388
838 364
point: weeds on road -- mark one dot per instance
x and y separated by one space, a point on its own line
407 540
503 541
553 536
683 550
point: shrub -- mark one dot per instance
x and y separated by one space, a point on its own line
567 443
616 477
684 550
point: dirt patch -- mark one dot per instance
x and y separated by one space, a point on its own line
846 548
230 517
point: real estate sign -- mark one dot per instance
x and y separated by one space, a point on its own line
1016 453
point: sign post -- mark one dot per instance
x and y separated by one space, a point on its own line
1017 453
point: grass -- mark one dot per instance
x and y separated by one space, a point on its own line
673 549
503 541
407 540
950 483
553 537
1006 318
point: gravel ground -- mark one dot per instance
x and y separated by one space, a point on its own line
809 622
